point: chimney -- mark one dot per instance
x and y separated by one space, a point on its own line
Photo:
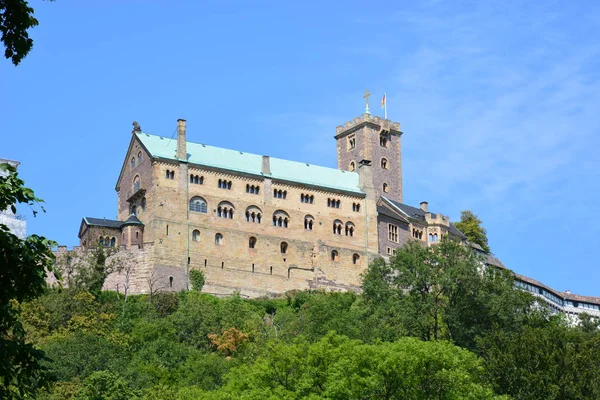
181 144
423 205
266 165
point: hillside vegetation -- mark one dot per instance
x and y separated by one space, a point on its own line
428 325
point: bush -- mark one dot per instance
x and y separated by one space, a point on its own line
197 279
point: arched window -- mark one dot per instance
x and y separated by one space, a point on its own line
308 222
386 187
139 157
136 183
198 204
335 256
281 219
195 235
171 282
383 140
355 259
101 241
113 241
253 215
107 242
352 166
384 163
435 237
430 237
252 242
351 142
337 227
218 239
133 162
349 229
225 210
283 247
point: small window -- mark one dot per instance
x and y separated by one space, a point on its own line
384 163
386 188
253 215
349 230
335 256
337 227
393 233
352 166
225 210
196 179
133 162
351 142
283 247
308 222
195 235
143 204
169 174
101 241
355 259
356 207
224 184
113 241
218 239
139 160
171 282
252 242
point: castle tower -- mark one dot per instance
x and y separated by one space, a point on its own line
375 140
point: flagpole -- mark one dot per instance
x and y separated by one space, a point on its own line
385 105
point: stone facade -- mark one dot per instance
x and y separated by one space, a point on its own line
259 234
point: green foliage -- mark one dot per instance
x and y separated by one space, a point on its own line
24 264
104 385
197 279
470 225
16 17
338 368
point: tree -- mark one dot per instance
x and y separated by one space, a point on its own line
16 17
23 268
443 292
470 225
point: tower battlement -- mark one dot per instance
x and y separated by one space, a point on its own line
367 119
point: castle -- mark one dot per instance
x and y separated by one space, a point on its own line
261 226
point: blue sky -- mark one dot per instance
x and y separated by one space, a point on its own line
499 103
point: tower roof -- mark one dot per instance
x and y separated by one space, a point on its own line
248 163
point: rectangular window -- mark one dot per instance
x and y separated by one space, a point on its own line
356 207
392 233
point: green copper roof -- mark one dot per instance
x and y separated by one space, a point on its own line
248 163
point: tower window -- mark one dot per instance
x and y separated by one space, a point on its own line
252 242
352 166
351 142
386 188
384 163
195 235
218 239
133 162
383 140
